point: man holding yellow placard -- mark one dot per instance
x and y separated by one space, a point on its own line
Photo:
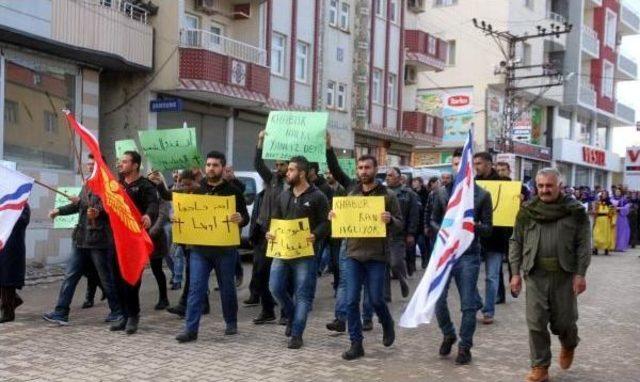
220 255
367 252
298 226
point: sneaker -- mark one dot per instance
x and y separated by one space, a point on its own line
118 325
447 344
87 304
355 351
367 325
231 330
287 331
464 356
187 337
178 309
113 317
388 334
263 318
252 301
132 324
338 326
56 318
404 288
295 342
162 304
487 320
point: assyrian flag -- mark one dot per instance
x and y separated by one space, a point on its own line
15 189
454 238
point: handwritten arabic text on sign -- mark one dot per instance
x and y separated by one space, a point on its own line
291 133
358 216
505 196
291 240
172 149
204 220
67 221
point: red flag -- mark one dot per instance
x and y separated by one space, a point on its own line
133 245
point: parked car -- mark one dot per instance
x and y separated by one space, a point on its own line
253 185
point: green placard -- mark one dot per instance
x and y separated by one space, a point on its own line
348 165
291 133
172 149
67 221
125 145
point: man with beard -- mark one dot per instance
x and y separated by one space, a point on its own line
551 247
301 200
274 185
145 197
367 258
221 259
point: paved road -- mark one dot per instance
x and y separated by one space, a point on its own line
33 350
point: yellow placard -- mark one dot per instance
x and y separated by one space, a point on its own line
204 220
505 196
291 240
358 216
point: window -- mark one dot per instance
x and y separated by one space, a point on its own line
529 4
333 12
394 10
429 126
192 24
331 92
278 46
344 16
526 54
451 53
216 30
376 86
610 25
50 122
380 7
391 90
302 61
432 45
10 112
339 54
607 79
341 99
444 3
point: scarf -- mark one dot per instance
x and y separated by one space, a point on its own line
542 212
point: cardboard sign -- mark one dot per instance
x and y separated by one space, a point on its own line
358 216
125 145
291 240
67 221
505 196
173 149
348 165
204 220
291 133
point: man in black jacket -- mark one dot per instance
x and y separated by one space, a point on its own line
494 247
465 270
315 178
144 195
222 259
301 200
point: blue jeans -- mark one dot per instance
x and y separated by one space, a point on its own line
201 261
176 253
465 272
102 260
341 293
371 274
493 261
302 272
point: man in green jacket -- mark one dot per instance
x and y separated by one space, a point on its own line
551 247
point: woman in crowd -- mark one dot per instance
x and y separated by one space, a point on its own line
634 203
604 224
12 268
621 203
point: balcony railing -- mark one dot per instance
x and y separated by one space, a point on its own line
556 17
428 51
590 42
625 113
629 18
198 38
132 11
593 3
587 95
627 66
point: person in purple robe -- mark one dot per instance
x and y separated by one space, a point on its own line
623 231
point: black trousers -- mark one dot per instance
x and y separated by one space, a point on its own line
128 295
263 271
161 279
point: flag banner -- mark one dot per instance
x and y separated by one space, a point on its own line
15 189
454 238
133 244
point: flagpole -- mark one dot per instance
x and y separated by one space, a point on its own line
51 189
75 149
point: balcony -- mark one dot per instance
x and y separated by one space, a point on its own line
629 19
115 27
422 126
593 3
587 95
556 17
212 63
424 51
627 68
625 114
590 42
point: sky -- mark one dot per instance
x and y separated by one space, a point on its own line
628 93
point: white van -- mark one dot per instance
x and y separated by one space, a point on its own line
253 186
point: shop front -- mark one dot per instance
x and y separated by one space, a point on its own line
584 165
526 160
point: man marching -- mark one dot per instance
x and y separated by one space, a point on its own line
301 200
551 246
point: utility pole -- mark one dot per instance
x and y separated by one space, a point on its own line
512 64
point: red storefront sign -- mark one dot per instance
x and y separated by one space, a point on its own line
593 156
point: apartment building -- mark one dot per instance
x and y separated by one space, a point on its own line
53 54
470 92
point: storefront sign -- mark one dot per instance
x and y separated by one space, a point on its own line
495 104
632 168
166 104
454 105
522 124
532 151
594 156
